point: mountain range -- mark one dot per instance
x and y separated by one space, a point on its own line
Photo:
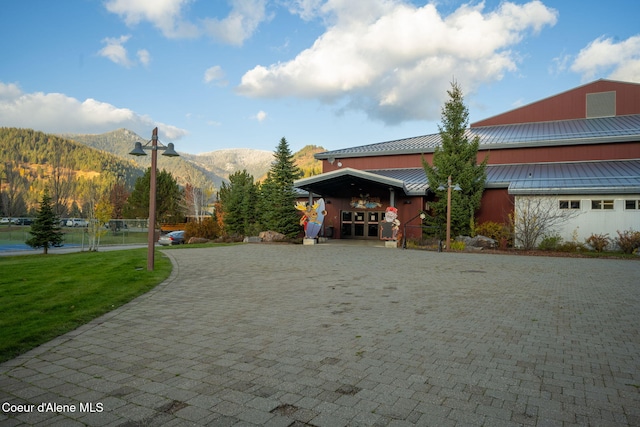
214 167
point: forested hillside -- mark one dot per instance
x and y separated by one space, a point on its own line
120 142
76 166
306 162
31 160
213 167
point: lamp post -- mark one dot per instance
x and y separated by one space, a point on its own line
139 151
456 188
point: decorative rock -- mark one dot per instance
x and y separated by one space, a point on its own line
484 242
270 236
478 242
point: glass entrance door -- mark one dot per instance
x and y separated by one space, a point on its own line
360 224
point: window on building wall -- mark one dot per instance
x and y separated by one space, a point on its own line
632 204
602 204
569 204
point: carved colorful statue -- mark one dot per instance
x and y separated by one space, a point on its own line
312 218
390 226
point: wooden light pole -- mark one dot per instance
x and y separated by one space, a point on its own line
139 151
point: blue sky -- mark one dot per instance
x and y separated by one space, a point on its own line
214 74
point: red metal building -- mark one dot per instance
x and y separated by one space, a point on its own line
581 143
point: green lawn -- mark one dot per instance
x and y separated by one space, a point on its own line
77 236
44 296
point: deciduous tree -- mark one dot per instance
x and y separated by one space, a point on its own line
534 217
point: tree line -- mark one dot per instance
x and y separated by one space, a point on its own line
243 206
31 161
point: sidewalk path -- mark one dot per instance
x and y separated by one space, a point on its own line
337 335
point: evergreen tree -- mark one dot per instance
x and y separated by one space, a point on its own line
45 230
168 197
237 204
456 157
277 194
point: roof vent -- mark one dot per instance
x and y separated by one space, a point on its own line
601 104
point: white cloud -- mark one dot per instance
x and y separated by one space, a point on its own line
58 113
395 61
240 24
144 57
306 9
115 50
620 60
168 16
215 74
260 116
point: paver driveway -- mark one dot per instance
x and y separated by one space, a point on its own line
333 335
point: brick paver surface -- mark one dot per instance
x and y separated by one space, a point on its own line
343 335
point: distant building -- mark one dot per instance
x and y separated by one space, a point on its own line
579 148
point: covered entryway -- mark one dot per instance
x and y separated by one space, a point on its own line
355 200
360 224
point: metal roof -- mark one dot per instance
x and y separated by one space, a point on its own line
566 132
602 177
346 181
593 177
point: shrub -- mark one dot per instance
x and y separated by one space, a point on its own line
206 229
495 230
628 241
570 247
598 242
550 243
457 245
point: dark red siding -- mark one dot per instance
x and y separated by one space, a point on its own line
570 105
564 153
496 205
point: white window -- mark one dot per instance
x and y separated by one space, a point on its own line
569 204
602 204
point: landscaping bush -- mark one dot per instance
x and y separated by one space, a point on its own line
495 230
628 241
570 247
206 229
550 243
598 242
457 245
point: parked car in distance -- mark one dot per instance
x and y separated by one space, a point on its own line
116 225
173 238
22 221
4 221
77 222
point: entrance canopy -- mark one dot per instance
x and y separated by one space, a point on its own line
347 182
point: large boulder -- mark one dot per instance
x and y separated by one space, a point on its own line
270 236
483 242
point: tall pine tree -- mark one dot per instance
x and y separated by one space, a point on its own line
277 194
456 157
237 204
45 230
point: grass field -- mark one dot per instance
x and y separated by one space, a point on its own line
17 234
44 296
